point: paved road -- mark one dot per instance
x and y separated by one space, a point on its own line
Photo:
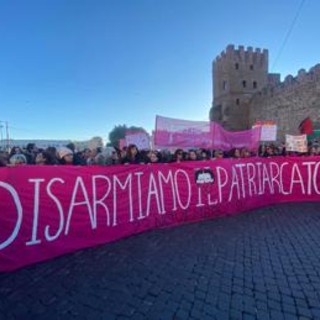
263 264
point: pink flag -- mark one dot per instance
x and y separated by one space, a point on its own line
227 140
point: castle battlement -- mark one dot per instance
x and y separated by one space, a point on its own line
242 54
291 82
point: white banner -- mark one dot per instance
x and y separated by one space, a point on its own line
140 139
296 143
268 130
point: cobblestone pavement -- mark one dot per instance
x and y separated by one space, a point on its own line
264 264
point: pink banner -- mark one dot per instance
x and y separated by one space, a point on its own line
48 211
182 133
203 134
227 140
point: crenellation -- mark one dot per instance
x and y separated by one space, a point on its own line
244 56
252 93
316 68
288 80
247 56
241 53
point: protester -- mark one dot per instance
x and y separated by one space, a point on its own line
31 153
44 158
245 153
235 153
152 157
17 159
192 155
52 156
218 154
65 156
133 155
178 156
203 154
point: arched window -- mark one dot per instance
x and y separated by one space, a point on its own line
244 83
236 66
251 66
254 85
237 101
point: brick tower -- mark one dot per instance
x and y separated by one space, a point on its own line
237 74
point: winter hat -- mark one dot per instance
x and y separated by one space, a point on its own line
18 158
64 151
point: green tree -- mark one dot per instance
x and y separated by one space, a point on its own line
119 132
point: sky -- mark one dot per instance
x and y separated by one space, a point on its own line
74 69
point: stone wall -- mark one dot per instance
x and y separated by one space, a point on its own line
289 102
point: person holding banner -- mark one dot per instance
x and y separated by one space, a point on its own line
65 156
133 155
152 157
235 153
178 156
218 154
203 154
192 155
245 153
312 151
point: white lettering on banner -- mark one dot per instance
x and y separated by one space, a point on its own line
241 166
184 173
296 172
18 205
234 183
86 202
211 202
251 177
59 206
266 179
309 184
315 175
259 164
153 191
275 176
200 203
162 178
35 212
221 184
134 196
141 216
281 177
96 202
122 187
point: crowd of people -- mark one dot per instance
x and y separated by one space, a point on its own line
68 155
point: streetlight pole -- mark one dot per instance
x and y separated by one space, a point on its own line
5 142
1 135
7 136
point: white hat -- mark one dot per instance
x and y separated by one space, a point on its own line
63 151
